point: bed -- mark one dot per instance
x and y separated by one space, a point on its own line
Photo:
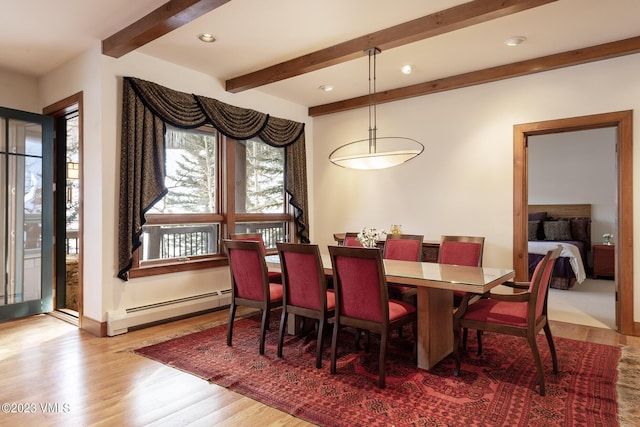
568 225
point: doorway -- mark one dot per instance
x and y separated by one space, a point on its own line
622 121
68 208
577 171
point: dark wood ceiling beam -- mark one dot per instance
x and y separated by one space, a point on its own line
451 19
166 18
488 75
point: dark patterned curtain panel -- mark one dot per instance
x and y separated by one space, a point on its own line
147 108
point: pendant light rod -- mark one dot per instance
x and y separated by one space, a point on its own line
373 122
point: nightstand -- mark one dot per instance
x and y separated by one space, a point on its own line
604 261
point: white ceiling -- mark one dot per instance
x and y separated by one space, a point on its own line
36 36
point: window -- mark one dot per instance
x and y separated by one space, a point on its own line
216 186
259 191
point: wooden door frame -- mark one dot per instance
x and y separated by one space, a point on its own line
623 122
60 109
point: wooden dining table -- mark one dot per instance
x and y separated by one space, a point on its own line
435 284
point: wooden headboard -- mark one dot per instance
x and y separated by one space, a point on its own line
563 211
582 232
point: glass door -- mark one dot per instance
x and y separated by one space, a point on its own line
26 219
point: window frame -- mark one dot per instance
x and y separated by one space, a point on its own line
226 218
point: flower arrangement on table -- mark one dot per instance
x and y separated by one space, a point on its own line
369 237
606 238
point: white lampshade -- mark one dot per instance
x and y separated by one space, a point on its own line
388 152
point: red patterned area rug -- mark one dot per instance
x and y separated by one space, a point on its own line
495 389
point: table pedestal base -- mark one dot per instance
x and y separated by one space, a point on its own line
435 326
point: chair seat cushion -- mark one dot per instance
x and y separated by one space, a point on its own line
275 292
502 312
331 300
399 309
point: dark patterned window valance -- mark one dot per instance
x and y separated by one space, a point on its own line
146 109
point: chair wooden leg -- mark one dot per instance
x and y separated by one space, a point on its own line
334 345
552 348
465 334
263 328
414 331
479 336
367 345
383 358
232 314
456 348
283 325
536 355
302 323
321 324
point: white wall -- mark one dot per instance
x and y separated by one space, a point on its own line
463 182
576 167
82 74
19 92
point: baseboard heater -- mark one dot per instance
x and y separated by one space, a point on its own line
120 321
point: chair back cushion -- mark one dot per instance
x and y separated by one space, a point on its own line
251 237
302 279
358 284
460 253
543 272
248 272
403 249
352 241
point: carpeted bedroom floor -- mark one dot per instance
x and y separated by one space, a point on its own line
590 303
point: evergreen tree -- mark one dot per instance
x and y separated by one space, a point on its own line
264 178
191 182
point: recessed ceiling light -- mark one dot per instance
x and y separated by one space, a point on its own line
326 88
206 37
406 69
514 41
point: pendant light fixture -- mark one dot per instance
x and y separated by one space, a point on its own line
375 152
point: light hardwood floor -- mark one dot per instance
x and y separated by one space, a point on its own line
46 363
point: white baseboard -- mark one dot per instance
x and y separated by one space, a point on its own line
119 321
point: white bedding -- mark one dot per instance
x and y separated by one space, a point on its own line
568 250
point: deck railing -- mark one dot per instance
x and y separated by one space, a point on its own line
71 242
272 232
180 241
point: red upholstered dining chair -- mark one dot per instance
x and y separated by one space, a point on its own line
362 300
521 314
305 290
404 247
461 250
351 239
274 276
250 285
